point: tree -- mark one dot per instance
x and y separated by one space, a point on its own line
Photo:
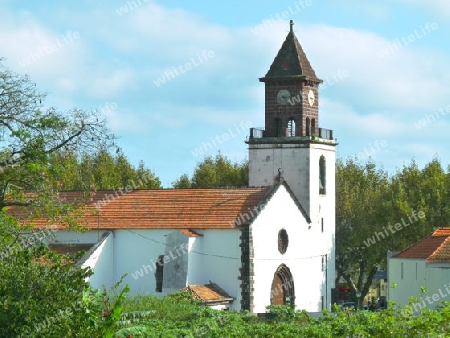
36 282
376 214
30 134
99 171
215 172
360 211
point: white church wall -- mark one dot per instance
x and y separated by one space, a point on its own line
324 210
307 245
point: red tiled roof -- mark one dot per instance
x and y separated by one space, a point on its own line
435 248
441 232
208 293
163 208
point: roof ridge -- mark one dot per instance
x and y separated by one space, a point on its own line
439 248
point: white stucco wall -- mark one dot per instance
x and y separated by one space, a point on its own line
101 260
216 257
136 253
307 246
131 252
417 273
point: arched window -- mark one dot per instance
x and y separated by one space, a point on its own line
290 128
308 127
322 175
313 126
277 127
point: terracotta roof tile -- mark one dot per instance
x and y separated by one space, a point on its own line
208 293
441 232
435 248
162 208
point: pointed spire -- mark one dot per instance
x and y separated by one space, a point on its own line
291 61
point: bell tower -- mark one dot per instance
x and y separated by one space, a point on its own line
292 88
292 143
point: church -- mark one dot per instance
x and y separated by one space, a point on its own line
232 248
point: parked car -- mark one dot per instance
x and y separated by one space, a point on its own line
348 305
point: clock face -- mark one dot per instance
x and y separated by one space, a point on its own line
311 97
283 96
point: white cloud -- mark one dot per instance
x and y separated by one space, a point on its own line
343 117
440 7
110 84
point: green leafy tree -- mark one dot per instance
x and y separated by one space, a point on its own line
36 284
39 289
99 171
376 214
31 133
214 172
360 211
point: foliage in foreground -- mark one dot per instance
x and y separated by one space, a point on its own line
51 299
180 316
44 294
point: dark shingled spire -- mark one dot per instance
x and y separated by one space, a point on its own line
291 61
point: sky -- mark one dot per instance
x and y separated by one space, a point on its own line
172 77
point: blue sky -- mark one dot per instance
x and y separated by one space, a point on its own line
109 55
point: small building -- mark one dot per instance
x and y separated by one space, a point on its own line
425 264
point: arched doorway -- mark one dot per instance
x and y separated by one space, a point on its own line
282 291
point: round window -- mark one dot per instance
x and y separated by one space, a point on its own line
283 241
